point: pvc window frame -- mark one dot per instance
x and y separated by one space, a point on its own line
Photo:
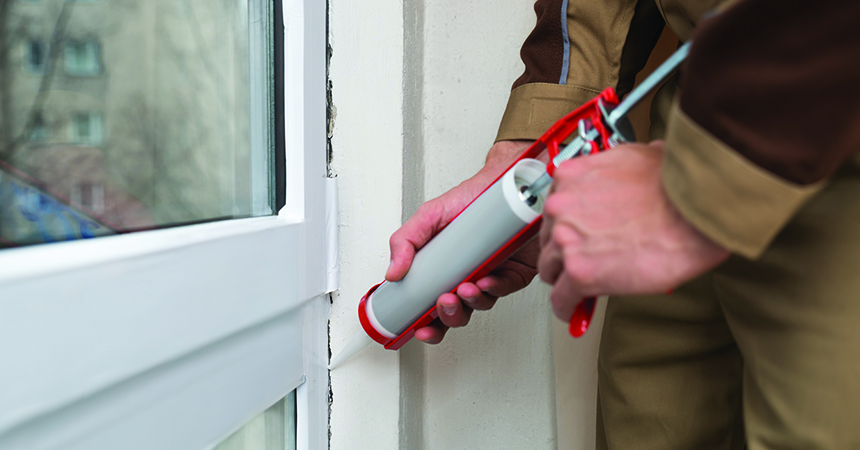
174 338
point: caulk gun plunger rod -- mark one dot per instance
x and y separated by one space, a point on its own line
648 84
530 194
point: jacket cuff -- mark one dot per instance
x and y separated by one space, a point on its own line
734 202
533 107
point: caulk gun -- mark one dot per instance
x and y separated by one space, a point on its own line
390 312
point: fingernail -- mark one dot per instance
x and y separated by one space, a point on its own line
449 309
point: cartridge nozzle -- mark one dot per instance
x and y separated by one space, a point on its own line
358 342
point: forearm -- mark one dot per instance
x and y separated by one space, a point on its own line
500 156
503 153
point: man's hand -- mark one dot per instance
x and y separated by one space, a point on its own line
610 229
512 275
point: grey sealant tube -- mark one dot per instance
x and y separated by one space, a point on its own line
472 238
493 219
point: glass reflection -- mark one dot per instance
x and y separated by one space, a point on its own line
127 115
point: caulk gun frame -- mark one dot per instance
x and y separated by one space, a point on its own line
600 123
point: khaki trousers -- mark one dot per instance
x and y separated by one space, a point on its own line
764 353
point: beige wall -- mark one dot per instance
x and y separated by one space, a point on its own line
419 89
490 384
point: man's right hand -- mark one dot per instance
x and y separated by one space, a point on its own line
512 275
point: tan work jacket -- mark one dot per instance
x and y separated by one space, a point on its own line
767 110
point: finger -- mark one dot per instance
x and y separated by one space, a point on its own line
551 208
506 279
476 299
431 334
452 312
564 298
546 226
407 240
550 262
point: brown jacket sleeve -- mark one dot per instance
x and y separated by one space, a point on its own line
769 107
578 48
780 83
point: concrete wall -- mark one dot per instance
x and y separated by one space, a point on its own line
419 89
367 77
490 384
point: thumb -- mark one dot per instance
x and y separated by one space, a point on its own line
407 240
402 252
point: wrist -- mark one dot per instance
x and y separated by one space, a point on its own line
502 154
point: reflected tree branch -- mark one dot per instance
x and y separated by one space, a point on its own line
55 47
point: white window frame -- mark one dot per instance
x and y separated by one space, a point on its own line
172 339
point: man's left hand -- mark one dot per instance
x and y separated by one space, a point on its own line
609 228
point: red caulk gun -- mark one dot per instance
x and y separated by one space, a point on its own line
390 312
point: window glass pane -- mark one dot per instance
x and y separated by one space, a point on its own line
273 429
128 115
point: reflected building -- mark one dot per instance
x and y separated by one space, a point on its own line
135 112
